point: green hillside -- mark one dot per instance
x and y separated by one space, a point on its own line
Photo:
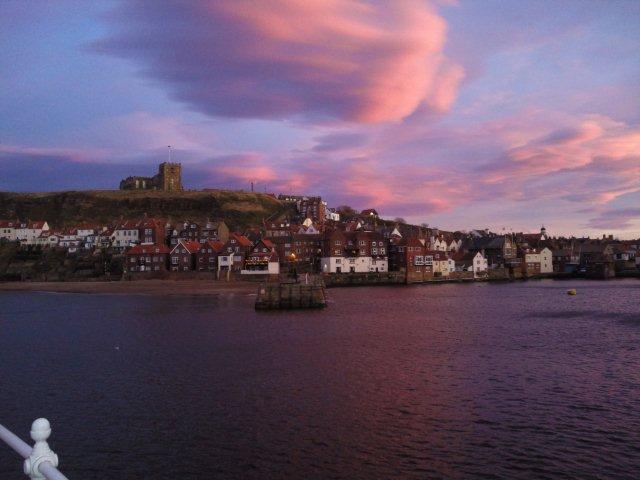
63 209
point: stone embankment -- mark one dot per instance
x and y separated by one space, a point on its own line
291 295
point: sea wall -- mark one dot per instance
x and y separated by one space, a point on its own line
356 279
286 296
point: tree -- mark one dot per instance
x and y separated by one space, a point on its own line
345 211
399 220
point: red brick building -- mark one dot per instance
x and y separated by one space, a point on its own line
411 256
207 256
183 256
313 208
152 231
147 258
234 252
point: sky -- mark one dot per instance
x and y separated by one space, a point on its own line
463 114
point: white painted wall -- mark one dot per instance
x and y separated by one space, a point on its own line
8 233
546 261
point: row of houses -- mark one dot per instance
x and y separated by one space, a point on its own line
359 243
237 254
118 236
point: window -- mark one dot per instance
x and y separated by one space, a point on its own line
133 260
174 260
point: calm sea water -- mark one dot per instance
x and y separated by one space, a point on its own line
453 381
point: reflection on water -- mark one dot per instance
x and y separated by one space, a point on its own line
451 381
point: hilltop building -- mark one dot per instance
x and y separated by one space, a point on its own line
168 179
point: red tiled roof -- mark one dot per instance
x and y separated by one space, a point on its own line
214 244
127 225
147 249
37 225
192 246
242 240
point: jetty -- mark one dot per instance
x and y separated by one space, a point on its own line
292 294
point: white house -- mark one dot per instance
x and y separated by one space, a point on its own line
454 246
332 215
28 233
472 262
68 239
125 235
47 239
439 244
546 260
308 228
8 230
84 231
340 264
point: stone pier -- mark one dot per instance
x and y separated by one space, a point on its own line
286 296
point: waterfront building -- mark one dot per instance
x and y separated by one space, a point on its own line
207 255
530 263
500 250
262 259
546 261
183 255
146 258
354 252
234 252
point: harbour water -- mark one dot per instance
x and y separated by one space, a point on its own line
505 381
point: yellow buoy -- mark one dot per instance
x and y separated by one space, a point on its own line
572 292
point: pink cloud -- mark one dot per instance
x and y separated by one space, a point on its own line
351 60
597 156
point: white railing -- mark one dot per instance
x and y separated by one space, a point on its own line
39 462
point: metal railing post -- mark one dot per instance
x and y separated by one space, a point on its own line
40 461
40 432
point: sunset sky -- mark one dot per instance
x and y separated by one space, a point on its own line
468 114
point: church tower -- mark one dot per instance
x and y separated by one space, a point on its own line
170 176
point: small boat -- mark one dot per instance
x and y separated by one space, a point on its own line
572 292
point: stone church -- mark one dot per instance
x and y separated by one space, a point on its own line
168 178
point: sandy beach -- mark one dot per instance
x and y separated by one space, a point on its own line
146 287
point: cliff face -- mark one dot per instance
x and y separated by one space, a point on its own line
64 209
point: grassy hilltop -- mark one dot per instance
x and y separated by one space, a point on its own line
63 209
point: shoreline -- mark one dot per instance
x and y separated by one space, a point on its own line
133 287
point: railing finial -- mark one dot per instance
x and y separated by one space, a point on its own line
40 432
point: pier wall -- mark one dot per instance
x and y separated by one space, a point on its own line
286 296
